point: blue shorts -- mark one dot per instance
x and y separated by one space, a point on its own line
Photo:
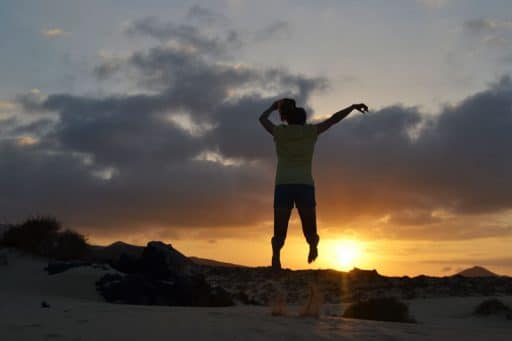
302 195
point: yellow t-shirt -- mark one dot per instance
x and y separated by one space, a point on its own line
294 146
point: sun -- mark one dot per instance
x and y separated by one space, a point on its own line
348 253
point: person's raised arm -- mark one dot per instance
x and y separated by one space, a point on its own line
338 116
265 122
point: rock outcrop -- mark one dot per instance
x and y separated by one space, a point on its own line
161 276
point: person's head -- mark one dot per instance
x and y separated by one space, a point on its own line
286 106
298 116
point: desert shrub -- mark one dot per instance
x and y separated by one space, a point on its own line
42 236
64 245
492 306
28 235
379 309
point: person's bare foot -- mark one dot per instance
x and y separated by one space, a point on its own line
313 248
313 253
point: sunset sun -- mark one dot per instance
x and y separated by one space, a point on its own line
348 253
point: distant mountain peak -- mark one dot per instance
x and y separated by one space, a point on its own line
212 262
476 271
119 243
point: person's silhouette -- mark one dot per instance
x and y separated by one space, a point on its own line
294 184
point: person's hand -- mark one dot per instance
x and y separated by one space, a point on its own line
361 107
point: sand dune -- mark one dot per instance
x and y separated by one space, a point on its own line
77 312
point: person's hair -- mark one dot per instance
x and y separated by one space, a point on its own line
298 116
289 101
285 107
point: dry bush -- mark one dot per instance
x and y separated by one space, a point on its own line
28 235
493 306
42 236
64 245
380 309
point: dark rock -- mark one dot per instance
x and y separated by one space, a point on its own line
364 276
127 264
146 290
45 304
57 267
243 298
161 276
162 261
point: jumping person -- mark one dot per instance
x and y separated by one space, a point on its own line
295 143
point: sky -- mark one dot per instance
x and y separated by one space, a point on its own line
138 121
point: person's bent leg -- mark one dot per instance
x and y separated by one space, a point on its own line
308 219
306 205
281 218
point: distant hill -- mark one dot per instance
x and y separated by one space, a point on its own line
211 262
115 250
477 271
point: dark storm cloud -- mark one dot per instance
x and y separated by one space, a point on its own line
119 130
187 79
122 163
31 101
189 82
457 161
107 68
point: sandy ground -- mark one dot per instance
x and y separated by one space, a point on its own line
78 313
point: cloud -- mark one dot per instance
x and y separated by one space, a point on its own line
54 33
107 68
458 162
480 25
492 33
447 269
7 106
413 217
460 227
187 37
187 152
202 16
161 150
278 29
